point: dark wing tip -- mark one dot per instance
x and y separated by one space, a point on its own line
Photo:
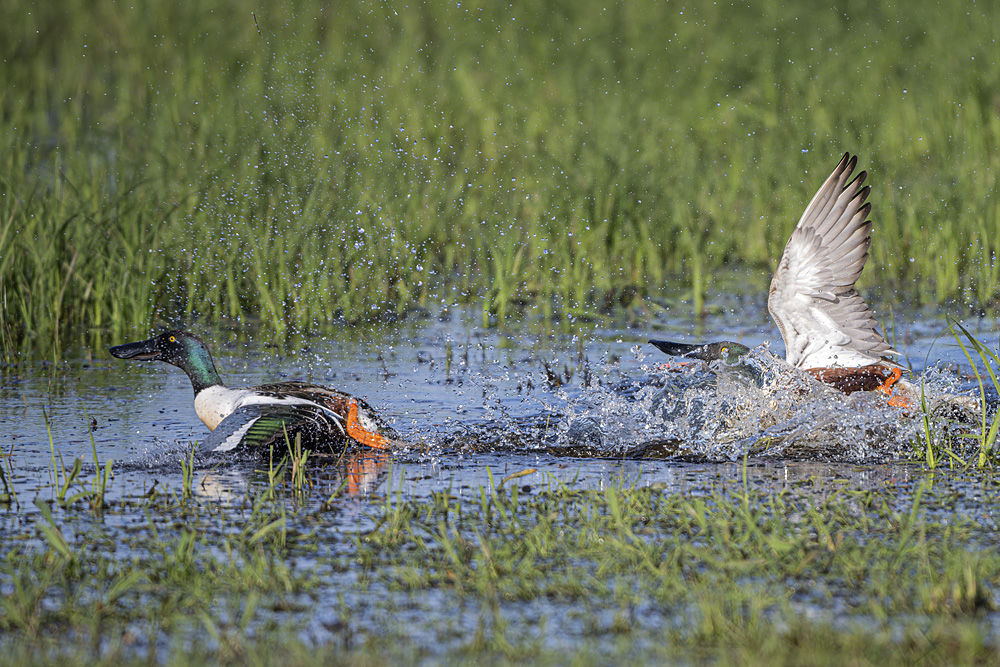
851 160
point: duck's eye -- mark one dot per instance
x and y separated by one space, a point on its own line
173 340
725 350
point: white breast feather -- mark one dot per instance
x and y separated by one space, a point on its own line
214 404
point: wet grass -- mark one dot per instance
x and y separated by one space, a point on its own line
816 572
721 573
164 162
967 438
985 362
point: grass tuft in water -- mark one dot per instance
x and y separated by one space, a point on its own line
990 423
511 572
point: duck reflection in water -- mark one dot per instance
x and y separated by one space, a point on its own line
357 474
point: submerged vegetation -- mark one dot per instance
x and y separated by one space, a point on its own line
314 163
722 572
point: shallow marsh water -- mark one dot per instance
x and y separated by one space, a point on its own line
457 392
540 411
584 407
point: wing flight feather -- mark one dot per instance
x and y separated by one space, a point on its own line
822 318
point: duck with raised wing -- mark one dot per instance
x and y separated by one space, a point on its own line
254 418
828 329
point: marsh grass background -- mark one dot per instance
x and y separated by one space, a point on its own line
348 161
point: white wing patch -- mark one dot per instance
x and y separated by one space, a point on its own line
234 439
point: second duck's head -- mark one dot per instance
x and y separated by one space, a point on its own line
726 350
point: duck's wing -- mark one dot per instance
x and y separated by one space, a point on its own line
332 400
823 320
338 401
258 426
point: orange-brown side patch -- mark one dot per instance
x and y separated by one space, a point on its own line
360 433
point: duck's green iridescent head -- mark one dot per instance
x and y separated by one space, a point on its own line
178 348
726 350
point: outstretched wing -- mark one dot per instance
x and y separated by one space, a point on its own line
822 318
259 425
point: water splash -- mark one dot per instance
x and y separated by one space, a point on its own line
759 406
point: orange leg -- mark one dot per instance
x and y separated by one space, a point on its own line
887 388
360 433
899 402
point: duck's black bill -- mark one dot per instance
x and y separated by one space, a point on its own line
144 351
676 349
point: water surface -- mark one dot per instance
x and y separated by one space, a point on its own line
587 397
534 409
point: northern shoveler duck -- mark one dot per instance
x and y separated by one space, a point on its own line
256 417
828 329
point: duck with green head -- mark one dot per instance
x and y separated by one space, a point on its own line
257 417
828 329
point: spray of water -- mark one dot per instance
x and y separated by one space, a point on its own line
718 412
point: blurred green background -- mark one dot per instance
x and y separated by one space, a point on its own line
313 164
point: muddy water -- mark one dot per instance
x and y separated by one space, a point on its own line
583 403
